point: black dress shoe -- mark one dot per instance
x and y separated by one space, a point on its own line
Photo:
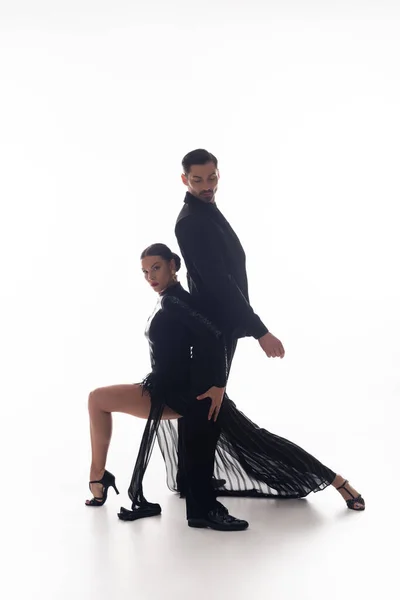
219 519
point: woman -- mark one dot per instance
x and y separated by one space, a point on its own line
186 351
187 354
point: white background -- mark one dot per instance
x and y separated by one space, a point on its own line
99 101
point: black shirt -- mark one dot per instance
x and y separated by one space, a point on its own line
216 265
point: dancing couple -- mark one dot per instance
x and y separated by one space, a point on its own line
210 448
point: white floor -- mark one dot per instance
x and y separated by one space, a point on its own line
57 548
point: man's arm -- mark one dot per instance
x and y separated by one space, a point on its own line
202 249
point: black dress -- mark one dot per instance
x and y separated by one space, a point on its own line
188 356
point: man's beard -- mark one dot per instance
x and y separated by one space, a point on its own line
208 196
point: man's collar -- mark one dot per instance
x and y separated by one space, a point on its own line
190 199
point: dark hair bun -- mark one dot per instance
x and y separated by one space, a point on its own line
163 251
177 260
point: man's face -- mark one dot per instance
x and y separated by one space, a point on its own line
202 181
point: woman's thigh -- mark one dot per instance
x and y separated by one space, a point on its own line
125 398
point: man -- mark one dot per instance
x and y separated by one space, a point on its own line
215 262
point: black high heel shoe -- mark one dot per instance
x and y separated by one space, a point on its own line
354 500
108 480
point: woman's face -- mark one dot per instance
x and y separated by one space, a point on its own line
158 272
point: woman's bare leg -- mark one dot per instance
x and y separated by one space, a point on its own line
103 401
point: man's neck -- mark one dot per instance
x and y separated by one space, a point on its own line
201 199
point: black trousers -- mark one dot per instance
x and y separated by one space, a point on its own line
197 442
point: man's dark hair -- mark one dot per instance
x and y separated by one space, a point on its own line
198 157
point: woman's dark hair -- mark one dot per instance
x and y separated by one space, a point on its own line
163 251
198 157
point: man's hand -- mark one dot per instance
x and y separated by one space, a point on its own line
217 395
272 347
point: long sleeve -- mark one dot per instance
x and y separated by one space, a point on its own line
208 341
201 250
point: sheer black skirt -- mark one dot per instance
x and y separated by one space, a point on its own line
162 396
253 461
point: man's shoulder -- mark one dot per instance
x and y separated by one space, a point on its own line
190 220
184 213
